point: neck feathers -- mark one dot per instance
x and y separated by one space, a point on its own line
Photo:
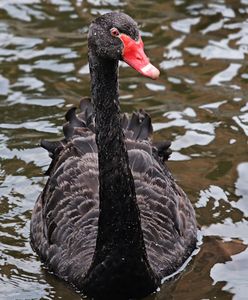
120 251
119 219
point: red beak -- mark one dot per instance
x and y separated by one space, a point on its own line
134 55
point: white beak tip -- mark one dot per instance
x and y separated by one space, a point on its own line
150 71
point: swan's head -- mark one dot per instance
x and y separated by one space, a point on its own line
115 36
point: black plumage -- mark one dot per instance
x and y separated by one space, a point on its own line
111 219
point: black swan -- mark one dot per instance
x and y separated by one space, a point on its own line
111 219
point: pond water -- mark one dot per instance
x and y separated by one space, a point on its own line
199 102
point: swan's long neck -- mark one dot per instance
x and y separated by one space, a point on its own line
119 223
120 263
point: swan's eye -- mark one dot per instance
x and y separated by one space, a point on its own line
114 32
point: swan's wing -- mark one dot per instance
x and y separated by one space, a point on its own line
168 219
64 220
138 128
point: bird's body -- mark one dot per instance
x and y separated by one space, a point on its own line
111 219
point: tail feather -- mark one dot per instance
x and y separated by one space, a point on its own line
145 130
140 124
163 150
72 118
87 113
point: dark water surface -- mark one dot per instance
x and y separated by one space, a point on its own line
199 102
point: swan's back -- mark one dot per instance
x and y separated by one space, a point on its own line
65 218
168 219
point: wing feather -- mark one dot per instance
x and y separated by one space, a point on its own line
64 220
